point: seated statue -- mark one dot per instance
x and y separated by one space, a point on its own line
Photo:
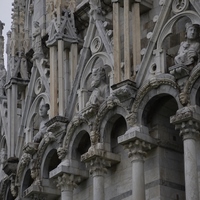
43 112
189 51
101 88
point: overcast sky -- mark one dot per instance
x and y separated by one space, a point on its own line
5 17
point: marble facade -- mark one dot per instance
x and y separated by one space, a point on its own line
100 100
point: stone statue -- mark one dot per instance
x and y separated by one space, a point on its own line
43 112
37 41
23 67
101 88
2 79
189 51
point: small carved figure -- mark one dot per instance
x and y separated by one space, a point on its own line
23 67
61 152
189 51
37 41
43 112
101 88
2 79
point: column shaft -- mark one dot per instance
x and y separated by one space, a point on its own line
117 42
53 82
136 35
127 64
191 173
61 77
67 194
138 184
98 187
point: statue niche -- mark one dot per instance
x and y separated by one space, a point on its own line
43 113
100 87
188 55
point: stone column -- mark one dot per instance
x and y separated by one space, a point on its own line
187 120
127 63
137 143
136 34
53 82
97 161
116 40
137 154
67 183
61 77
97 168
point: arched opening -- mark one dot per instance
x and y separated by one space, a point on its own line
119 128
115 126
51 162
164 164
27 180
80 146
9 195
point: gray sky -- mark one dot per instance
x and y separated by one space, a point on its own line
5 17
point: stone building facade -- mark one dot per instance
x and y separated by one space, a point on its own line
101 100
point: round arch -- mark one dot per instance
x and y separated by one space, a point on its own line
148 92
49 160
168 28
109 121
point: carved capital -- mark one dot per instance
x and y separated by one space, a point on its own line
137 150
67 181
98 166
187 120
137 141
189 129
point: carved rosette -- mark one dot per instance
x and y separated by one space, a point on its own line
179 6
67 181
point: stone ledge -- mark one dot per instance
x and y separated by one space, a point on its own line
61 169
94 153
136 133
49 192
